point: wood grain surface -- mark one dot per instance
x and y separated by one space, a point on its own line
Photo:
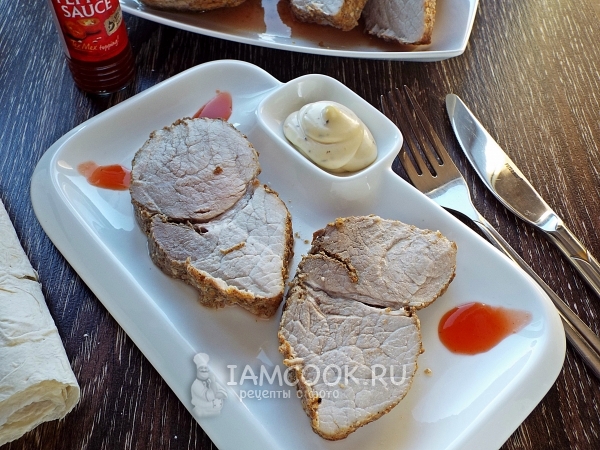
531 73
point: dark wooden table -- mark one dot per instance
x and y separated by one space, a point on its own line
531 72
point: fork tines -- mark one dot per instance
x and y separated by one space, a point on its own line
422 153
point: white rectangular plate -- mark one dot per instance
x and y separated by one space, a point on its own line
452 28
465 402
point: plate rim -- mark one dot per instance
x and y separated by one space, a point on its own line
425 55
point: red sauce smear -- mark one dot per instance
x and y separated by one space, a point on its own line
217 108
114 176
476 328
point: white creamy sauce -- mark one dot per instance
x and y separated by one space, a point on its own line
332 136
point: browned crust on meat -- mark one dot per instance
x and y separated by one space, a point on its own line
192 5
142 216
213 295
346 19
429 20
430 11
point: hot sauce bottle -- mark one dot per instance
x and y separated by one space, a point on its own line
95 42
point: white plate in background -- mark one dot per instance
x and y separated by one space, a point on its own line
451 31
467 402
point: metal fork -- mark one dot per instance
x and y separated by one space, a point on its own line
437 177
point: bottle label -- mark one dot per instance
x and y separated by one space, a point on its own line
93 30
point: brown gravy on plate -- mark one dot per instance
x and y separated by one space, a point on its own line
273 19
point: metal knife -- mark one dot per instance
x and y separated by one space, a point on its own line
511 188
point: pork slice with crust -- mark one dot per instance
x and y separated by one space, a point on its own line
351 310
208 220
353 362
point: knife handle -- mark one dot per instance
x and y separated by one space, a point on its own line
578 255
583 339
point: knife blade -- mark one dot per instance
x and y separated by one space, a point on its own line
504 179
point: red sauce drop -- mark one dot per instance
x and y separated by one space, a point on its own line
114 176
217 108
476 328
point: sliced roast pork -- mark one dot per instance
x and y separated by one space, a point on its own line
349 328
208 219
402 21
353 362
